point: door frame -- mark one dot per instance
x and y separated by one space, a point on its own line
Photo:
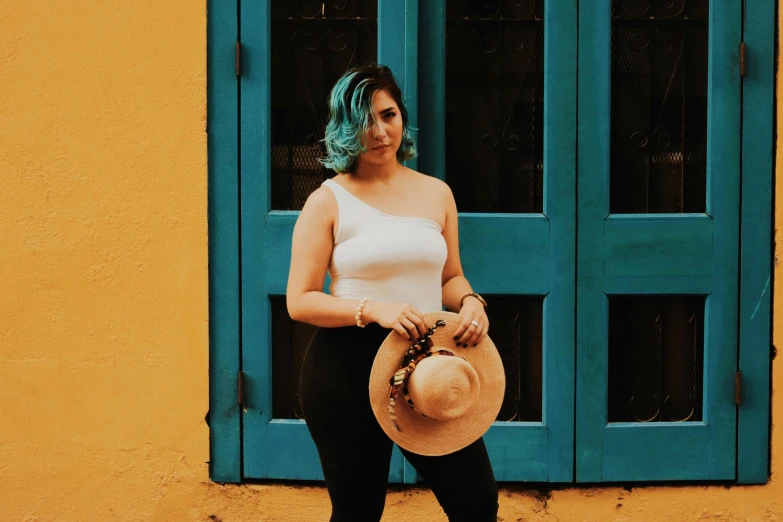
225 331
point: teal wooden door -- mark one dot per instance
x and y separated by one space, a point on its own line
497 111
293 52
517 235
637 305
658 220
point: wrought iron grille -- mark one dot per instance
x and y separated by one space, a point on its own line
289 343
516 327
659 106
656 358
494 104
516 323
313 44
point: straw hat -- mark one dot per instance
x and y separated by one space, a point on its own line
456 392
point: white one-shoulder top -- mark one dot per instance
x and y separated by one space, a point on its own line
384 257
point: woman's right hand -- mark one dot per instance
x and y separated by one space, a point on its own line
401 317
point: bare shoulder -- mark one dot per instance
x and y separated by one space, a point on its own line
433 185
321 198
321 205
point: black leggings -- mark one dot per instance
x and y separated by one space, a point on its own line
355 452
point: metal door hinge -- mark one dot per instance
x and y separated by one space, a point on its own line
742 59
738 388
241 389
239 58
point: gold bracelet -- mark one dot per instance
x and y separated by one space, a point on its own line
473 294
359 310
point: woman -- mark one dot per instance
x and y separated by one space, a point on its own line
388 237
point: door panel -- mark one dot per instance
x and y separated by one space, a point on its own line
497 112
659 144
300 49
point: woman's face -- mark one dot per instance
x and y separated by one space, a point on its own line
385 136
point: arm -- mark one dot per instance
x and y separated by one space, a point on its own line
311 250
454 283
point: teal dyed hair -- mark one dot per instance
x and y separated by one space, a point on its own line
351 117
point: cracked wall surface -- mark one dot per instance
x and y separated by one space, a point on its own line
104 309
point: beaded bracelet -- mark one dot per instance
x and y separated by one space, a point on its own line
359 309
473 294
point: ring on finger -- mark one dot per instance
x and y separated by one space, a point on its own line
475 323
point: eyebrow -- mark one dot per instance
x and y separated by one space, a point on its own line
384 111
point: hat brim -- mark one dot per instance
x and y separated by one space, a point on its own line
431 437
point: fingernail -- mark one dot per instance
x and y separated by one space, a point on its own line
455 337
475 345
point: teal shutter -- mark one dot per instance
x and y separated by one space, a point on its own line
658 254
283 448
502 254
522 254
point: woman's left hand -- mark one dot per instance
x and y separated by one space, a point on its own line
468 334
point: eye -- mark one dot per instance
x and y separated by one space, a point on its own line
390 115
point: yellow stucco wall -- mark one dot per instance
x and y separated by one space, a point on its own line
103 308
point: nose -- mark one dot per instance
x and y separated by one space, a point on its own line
377 131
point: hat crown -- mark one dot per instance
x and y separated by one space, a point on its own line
443 387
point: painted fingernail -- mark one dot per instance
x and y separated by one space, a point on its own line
455 337
475 345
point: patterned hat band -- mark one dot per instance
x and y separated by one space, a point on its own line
415 354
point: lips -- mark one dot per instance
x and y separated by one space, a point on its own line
381 147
